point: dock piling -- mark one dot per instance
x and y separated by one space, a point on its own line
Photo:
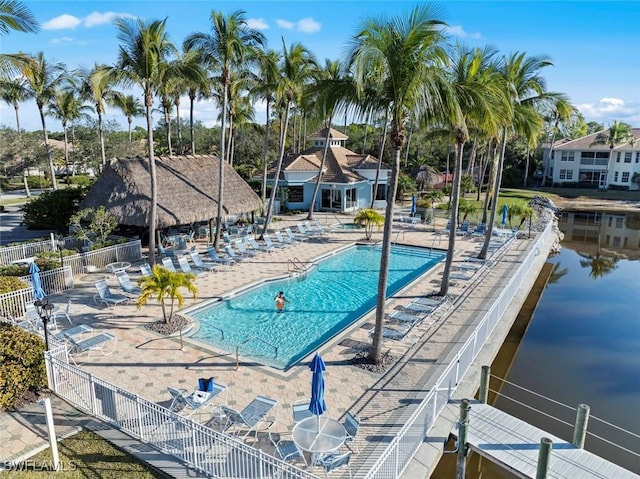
461 462
544 455
483 393
580 429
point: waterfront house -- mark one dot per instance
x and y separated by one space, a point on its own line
347 182
579 161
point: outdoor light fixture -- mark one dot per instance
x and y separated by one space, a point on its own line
45 310
60 246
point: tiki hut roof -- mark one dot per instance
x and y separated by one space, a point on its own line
187 190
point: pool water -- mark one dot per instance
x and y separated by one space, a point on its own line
332 296
346 226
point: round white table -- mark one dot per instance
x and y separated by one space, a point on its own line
113 268
318 435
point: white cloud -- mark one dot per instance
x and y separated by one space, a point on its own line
257 23
609 109
459 31
305 25
62 22
62 40
309 25
100 18
284 24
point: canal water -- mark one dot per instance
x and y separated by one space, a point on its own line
582 344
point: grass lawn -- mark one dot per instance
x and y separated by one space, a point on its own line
84 455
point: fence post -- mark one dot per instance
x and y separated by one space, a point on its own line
580 429
544 455
483 394
461 462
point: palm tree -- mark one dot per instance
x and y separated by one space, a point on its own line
197 86
297 68
230 45
66 108
525 90
561 110
599 265
13 92
475 99
15 15
367 219
618 133
265 88
144 48
163 284
402 59
42 80
130 107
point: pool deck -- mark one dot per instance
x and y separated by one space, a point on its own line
146 363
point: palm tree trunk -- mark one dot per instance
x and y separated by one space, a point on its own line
553 139
366 129
526 168
496 193
66 150
103 157
192 137
154 182
472 158
319 178
180 147
223 126
455 192
229 159
375 353
278 168
266 154
24 171
129 120
375 184
406 152
167 120
52 170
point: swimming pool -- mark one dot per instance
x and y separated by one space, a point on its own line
322 303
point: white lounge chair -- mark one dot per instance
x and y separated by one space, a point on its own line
66 312
269 242
213 255
126 284
232 254
243 250
168 264
419 308
186 267
104 342
186 403
294 237
282 239
408 318
145 269
201 265
317 229
251 417
260 247
106 297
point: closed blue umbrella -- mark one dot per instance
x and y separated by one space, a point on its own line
317 405
34 271
413 205
505 211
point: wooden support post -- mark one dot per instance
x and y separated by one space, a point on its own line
461 461
483 393
544 455
580 429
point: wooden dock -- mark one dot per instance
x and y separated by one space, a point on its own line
513 444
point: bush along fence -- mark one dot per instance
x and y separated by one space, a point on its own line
98 259
12 254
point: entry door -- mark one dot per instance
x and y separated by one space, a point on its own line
331 199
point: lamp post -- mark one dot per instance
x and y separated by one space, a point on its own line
45 309
60 247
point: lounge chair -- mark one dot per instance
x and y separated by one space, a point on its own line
419 308
259 247
106 297
320 228
286 448
78 330
294 237
145 269
282 239
126 284
397 334
232 254
270 244
98 342
303 231
251 417
427 301
213 255
186 403
479 230
243 249
408 318
33 320
168 264
464 229
66 312
186 267
201 265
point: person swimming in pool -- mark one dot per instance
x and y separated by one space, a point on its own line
280 300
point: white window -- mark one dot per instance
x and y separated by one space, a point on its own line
567 156
625 177
618 156
615 177
619 222
553 154
566 174
637 156
627 156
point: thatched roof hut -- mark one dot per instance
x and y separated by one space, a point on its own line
187 190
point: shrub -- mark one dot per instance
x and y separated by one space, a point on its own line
52 209
11 283
82 180
22 368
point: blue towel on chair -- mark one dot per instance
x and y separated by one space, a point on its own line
205 384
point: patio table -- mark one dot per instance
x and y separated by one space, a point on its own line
118 266
318 435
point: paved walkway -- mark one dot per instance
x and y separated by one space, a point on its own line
146 363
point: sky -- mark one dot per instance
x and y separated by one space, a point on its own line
594 46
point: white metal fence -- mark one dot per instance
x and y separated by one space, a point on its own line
398 454
209 451
10 254
82 263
